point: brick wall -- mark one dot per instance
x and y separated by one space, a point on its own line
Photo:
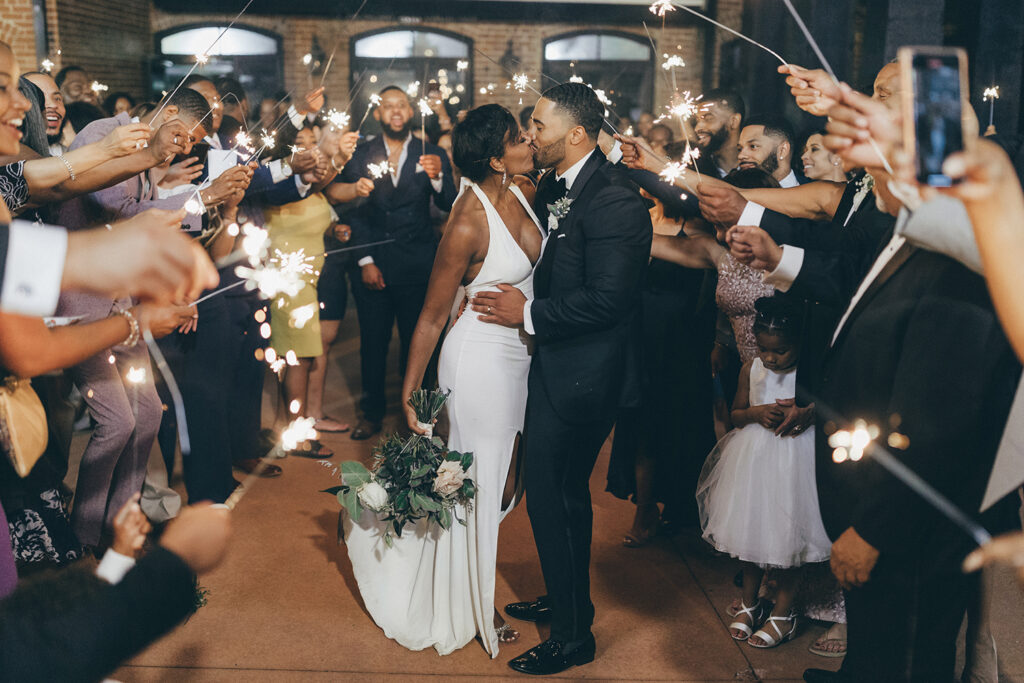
16 29
489 37
110 39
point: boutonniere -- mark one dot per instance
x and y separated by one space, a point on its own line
558 211
866 183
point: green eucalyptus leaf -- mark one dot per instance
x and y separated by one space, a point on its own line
354 473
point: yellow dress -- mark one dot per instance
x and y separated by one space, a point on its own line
299 225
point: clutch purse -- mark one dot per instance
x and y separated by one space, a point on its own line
23 433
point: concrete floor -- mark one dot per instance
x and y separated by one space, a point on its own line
284 605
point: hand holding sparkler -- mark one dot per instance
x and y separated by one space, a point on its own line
1006 550
431 164
171 139
182 173
862 131
720 203
199 535
130 528
752 246
162 319
814 90
637 155
304 160
125 140
312 102
225 185
364 187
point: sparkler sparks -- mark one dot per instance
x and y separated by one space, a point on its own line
299 431
425 109
284 273
98 87
268 139
136 375
338 119
413 89
375 100
991 94
575 79
307 59
673 171
850 444
202 58
46 65
520 82
672 61
462 64
378 171
302 315
661 7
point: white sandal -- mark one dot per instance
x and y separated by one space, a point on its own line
770 641
756 614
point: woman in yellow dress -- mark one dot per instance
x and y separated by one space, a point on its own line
295 320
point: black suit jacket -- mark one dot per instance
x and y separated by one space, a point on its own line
924 355
98 627
402 212
587 289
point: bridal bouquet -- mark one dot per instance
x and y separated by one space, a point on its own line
411 478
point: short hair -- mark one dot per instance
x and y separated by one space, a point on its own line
389 88
110 101
189 103
525 115
62 75
226 85
480 137
751 178
779 314
197 78
730 99
774 126
580 103
81 114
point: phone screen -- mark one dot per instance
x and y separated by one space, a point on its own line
938 117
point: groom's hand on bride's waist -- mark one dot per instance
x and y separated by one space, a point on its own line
502 308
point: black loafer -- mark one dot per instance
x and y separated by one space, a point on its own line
550 657
538 610
364 430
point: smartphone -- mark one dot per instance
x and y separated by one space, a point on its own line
199 150
934 106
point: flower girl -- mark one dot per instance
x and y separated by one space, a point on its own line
756 493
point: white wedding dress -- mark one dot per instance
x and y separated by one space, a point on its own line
435 588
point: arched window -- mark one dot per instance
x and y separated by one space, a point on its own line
621 64
404 57
252 55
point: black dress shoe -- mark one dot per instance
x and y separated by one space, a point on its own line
550 657
538 610
822 676
364 430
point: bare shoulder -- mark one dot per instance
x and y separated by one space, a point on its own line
526 186
467 222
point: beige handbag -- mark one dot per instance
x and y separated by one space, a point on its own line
23 433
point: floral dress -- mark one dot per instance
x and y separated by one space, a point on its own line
13 186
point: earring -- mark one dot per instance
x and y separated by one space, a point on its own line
504 177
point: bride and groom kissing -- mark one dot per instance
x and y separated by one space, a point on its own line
546 349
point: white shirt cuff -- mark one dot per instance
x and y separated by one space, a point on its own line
788 269
304 188
437 183
365 261
615 155
297 119
114 566
528 318
34 267
276 168
752 214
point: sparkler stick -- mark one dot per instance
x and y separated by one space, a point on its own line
912 479
216 292
337 43
991 95
734 32
172 388
828 67
200 59
299 431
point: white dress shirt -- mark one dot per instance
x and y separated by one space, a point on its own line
570 176
790 180
114 566
396 174
34 268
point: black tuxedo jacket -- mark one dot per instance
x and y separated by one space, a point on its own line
922 354
587 289
402 212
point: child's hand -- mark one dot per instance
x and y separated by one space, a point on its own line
769 415
130 528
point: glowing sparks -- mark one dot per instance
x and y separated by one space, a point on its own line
98 87
268 139
46 65
575 79
673 171
462 64
283 274
413 89
672 62
425 109
202 58
338 119
520 82
254 243
850 444
111 359
233 230
136 375
378 171
991 94
302 315
294 407
375 100
299 431
243 141
307 59
684 106
660 7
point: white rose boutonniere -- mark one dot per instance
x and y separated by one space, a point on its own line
558 211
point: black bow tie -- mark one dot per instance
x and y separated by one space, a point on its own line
554 191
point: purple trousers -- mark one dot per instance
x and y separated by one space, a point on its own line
127 416
8 572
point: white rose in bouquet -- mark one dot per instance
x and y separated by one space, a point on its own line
449 478
373 496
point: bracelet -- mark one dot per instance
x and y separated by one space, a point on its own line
336 167
67 164
133 323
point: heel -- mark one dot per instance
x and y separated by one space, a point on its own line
756 614
771 641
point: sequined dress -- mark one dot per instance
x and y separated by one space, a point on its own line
739 286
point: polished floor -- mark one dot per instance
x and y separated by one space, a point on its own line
284 604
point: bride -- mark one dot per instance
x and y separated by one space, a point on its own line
436 588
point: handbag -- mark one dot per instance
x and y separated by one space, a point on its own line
23 432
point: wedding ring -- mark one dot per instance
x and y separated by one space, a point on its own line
175 139
488 310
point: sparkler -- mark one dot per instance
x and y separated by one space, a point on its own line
991 95
284 273
736 33
338 119
672 62
375 101
299 431
660 7
98 87
202 58
378 171
46 66
462 64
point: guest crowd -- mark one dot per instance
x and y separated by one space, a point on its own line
802 291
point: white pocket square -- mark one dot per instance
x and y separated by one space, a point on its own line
560 236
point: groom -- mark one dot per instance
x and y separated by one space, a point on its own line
583 319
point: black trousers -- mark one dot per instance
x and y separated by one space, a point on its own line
559 460
200 363
244 392
903 623
378 310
